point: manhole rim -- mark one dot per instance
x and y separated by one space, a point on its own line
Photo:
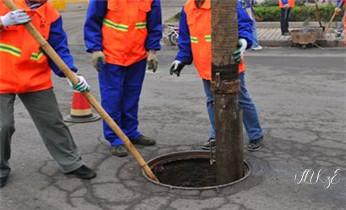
246 164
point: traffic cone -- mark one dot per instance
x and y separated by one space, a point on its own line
80 110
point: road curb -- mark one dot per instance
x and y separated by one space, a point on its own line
288 43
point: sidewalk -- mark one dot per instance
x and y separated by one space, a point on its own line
269 35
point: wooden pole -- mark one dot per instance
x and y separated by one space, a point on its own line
91 99
226 87
330 22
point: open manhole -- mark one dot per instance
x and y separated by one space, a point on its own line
190 170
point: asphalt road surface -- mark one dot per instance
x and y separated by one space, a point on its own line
301 98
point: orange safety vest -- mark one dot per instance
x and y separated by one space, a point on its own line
124 31
199 23
23 66
291 3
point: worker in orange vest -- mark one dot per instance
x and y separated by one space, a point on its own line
25 71
122 36
195 46
285 6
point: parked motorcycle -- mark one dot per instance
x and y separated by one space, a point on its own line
173 34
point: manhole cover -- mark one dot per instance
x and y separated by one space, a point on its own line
188 170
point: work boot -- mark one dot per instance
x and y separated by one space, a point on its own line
144 140
208 144
83 172
255 145
3 181
119 151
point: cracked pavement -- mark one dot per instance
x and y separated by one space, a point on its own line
301 99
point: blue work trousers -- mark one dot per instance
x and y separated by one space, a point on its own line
120 88
250 117
254 35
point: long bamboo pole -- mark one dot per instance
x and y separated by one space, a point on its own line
93 102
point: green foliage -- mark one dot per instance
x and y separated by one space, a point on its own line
268 13
269 3
298 13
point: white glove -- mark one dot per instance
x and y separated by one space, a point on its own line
81 86
15 17
175 64
243 47
176 67
239 52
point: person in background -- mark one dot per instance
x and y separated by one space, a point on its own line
194 38
248 6
285 6
122 36
340 6
25 71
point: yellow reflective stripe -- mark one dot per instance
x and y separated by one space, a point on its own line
36 56
193 39
141 25
10 49
116 26
207 38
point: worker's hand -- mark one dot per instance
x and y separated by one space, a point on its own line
176 67
81 86
15 17
238 53
286 6
98 60
337 10
153 62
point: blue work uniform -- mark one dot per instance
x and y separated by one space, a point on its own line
250 117
120 86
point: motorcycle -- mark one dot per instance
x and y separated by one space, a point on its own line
173 34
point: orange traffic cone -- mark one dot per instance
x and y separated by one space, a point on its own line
80 110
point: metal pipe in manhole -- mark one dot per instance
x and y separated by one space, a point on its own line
190 170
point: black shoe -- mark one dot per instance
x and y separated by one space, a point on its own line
3 181
255 145
143 140
83 173
286 34
208 144
119 151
